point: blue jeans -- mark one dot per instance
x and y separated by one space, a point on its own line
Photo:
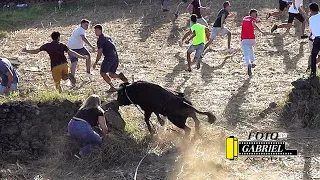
82 132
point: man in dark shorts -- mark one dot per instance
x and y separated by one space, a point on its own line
58 61
293 14
110 62
283 4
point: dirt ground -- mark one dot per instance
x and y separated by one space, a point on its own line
147 43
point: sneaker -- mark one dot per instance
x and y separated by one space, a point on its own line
275 27
253 65
78 156
90 75
249 70
122 77
304 36
268 16
72 79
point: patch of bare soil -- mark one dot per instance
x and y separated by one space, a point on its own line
146 41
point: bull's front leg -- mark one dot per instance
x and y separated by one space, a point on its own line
160 120
147 115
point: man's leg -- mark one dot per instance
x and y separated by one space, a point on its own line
251 52
190 50
107 79
229 39
213 35
285 25
245 49
57 76
314 54
303 25
199 51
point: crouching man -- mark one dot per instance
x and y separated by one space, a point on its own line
9 77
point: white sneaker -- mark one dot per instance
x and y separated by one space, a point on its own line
90 76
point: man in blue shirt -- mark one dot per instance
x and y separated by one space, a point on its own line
9 77
110 62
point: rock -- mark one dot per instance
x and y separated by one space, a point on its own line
114 120
273 105
301 84
114 105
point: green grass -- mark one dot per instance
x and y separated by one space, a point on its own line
14 18
3 34
42 96
133 127
49 96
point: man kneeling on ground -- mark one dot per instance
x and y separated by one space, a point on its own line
9 77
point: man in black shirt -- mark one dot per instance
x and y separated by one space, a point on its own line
218 29
110 62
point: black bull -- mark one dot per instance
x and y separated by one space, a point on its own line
153 98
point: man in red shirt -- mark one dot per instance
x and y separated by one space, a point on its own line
248 38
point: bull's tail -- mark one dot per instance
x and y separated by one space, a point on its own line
211 117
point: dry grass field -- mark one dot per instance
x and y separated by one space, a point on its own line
147 43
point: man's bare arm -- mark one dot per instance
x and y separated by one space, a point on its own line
33 51
186 35
86 41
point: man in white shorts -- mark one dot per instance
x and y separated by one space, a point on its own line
218 29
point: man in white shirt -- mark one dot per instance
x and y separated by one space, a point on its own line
76 43
314 23
293 14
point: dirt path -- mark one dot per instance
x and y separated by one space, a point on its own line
146 40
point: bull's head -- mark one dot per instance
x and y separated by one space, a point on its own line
122 95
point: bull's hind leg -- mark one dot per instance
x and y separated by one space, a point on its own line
147 116
196 123
160 120
180 122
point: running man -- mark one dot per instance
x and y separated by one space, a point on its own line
76 42
293 14
196 9
58 61
176 14
248 38
314 22
110 62
283 4
198 37
218 29
9 77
